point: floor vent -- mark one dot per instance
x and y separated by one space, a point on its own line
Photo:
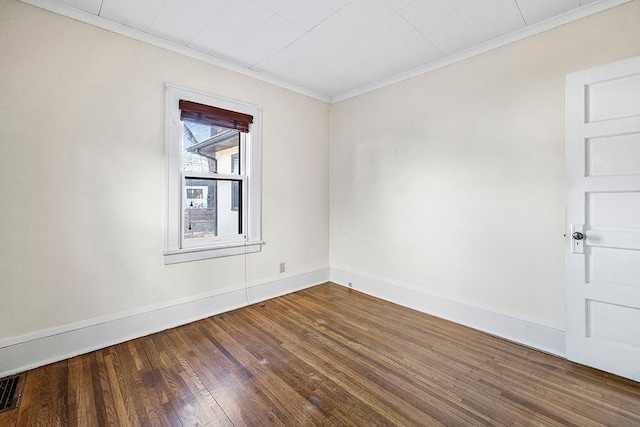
10 391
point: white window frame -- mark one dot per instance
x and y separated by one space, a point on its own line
176 249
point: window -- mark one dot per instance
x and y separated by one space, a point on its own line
213 176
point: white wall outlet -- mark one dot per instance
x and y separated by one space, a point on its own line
282 267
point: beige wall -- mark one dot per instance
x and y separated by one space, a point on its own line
453 181
82 169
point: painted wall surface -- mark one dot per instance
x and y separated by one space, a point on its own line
453 181
82 174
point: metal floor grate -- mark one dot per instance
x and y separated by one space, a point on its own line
10 389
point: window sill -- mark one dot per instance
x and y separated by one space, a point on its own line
197 254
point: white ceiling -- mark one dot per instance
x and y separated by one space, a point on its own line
332 48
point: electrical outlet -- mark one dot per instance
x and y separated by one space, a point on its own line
282 267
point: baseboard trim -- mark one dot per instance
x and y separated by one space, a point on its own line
41 348
517 329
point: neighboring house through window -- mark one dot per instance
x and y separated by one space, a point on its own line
213 176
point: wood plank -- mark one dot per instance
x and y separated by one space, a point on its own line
327 355
358 396
82 402
380 376
106 411
28 409
44 399
123 396
185 393
228 381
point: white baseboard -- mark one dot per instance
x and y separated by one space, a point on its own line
52 345
528 332
44 347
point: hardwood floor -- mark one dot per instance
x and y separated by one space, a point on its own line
327 355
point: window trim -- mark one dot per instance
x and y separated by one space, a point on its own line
174 252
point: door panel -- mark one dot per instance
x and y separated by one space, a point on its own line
613 99
615 323
603 197
616 155
612 265
614 210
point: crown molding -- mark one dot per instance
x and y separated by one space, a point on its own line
97 21
105 24
529 31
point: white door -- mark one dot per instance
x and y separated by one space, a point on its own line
603 217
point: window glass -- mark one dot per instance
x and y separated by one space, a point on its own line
235 186
207 148
207 208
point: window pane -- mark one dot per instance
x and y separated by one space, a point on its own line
208 208
207 148
235 186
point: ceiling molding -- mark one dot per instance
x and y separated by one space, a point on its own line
529 31
97 21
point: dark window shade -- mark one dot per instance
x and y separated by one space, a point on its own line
214 116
